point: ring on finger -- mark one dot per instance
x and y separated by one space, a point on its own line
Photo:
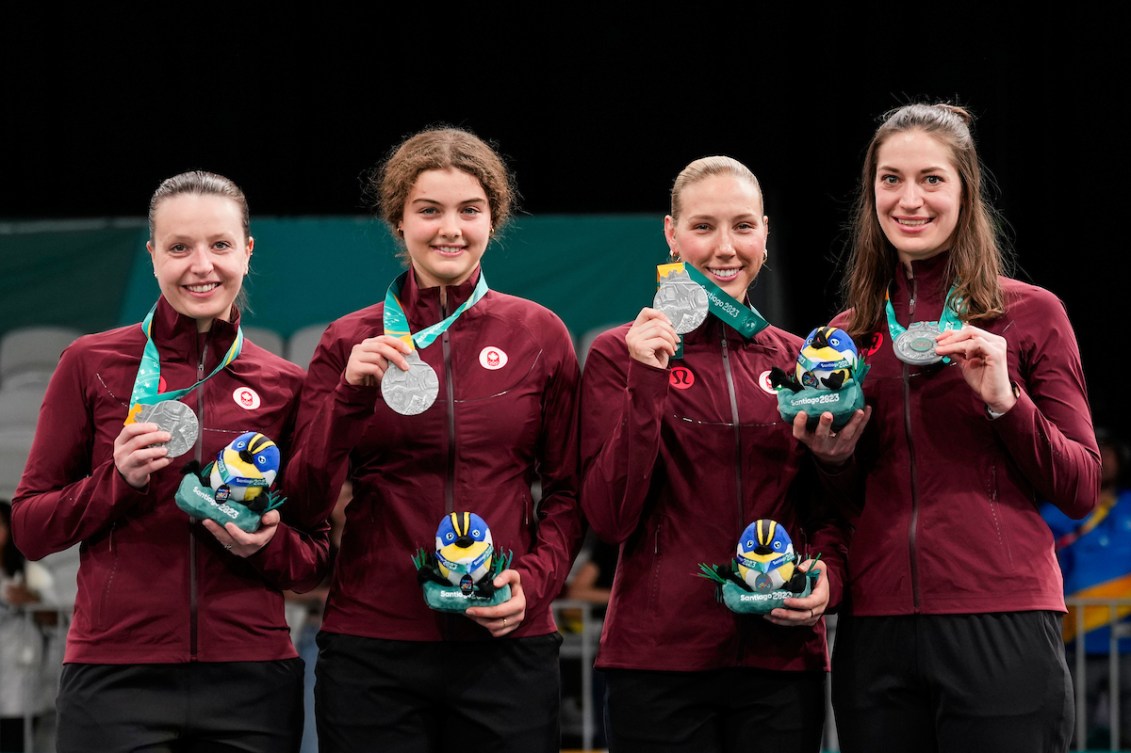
504 622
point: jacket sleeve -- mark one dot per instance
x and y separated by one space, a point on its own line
560 525
298 556
61 500
822 495
622 402
1049 432
331 421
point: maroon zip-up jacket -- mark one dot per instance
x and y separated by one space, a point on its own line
676 463
504 419
155 586
950 521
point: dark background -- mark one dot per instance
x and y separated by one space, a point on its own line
597 107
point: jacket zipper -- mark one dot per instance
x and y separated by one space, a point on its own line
914 523
449 487
737 450
199 455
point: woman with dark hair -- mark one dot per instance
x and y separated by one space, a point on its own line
179 640
952 642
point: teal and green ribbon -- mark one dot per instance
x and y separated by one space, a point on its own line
948 320
743 319
149 371
396 324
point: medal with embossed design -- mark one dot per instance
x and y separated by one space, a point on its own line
176 418
916 346
410 392
681 299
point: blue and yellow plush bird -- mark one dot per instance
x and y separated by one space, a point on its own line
827 360
463 548
247 467
765 557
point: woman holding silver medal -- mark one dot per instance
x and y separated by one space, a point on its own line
447 397
179 640
682 447
953 641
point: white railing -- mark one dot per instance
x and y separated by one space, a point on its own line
1115 608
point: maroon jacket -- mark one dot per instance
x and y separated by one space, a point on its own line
676 463
504 419
155 586
950 522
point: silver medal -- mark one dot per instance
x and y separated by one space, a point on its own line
176 418
682 300
916 346
413 391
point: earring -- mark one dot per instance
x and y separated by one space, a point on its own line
675 255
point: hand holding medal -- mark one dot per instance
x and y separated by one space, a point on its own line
983 358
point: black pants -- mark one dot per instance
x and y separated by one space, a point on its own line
373 696
732 710
249 707
970 683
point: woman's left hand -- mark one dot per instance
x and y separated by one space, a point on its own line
806 611
983 358
831 447
506 617
241 543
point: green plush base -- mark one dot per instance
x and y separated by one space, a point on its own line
841 403
451 599
196 499
742 601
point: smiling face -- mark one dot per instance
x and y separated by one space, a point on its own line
918 194
200 254
721 231
446 226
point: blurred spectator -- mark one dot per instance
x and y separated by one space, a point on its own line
22 641
1095 558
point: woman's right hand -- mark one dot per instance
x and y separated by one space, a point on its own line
370 359
139 451
652 339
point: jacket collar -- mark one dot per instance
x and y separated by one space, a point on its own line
177 339
930 276
422 305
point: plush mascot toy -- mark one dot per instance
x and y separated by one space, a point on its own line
236 486
828 376
763 572
460 571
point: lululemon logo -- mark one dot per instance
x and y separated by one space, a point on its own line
874 343
246 398
681 378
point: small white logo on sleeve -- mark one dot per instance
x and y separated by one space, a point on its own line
492 358
246 398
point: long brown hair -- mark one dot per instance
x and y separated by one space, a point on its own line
978 254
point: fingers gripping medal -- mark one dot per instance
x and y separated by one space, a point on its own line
915 344
176 418
680 298
414 391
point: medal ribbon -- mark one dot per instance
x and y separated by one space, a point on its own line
149 371
743 319
949 319
396 324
